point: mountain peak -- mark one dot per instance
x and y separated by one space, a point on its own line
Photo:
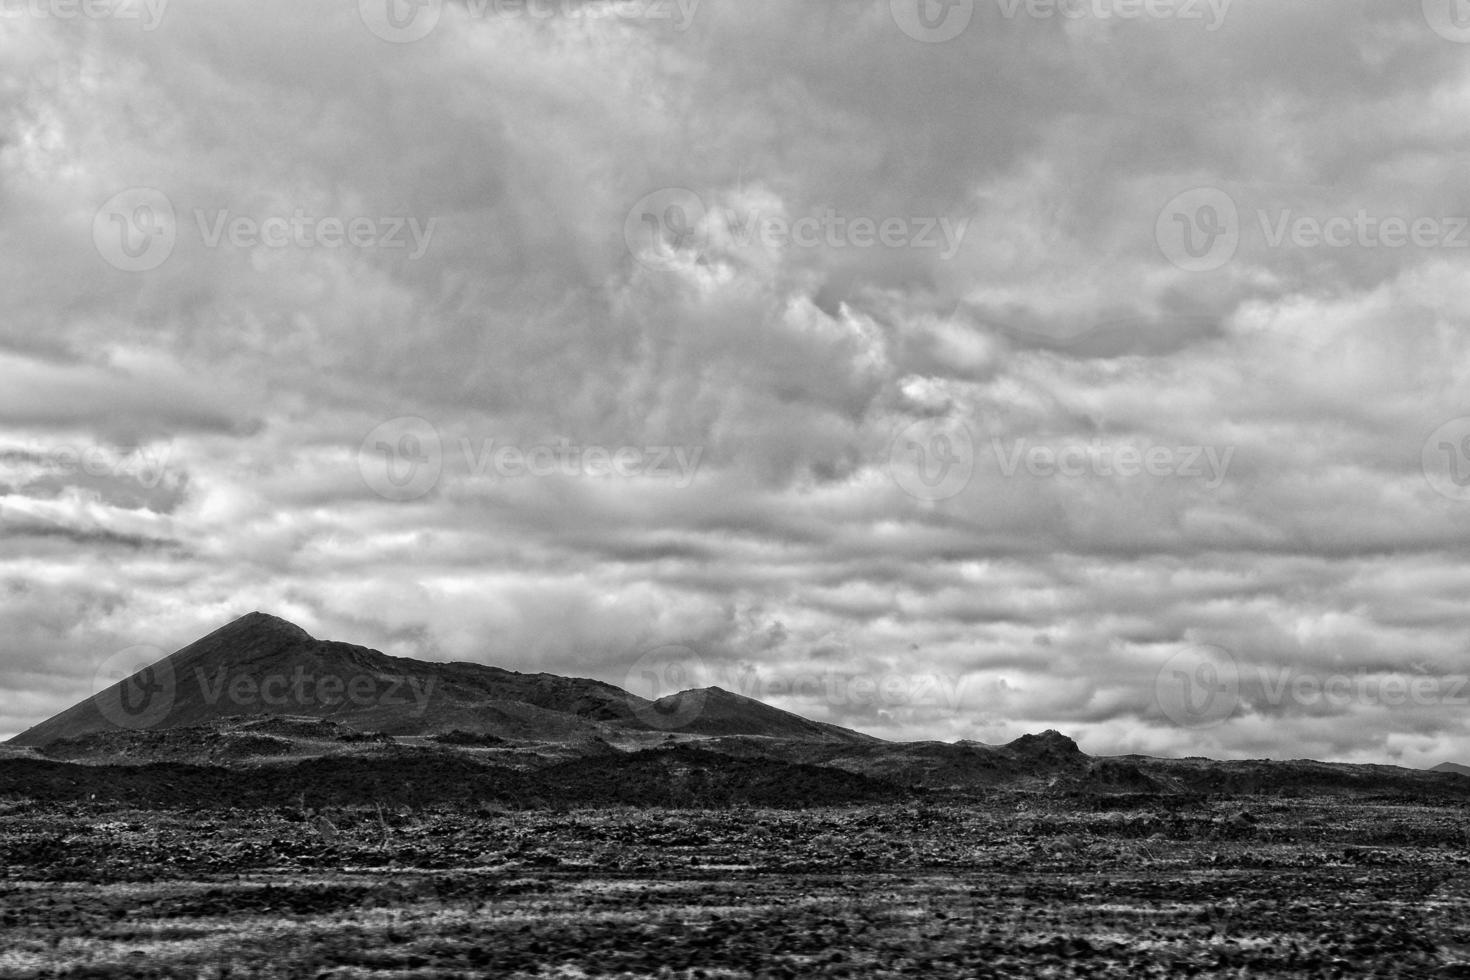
1051 742
258 622
254 639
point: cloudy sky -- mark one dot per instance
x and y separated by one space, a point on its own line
945 370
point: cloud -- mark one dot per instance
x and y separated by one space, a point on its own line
668 236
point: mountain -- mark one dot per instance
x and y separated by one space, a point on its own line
263 665
261 710
715 711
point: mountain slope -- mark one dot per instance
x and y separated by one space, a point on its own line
260 664
1453 767
716 711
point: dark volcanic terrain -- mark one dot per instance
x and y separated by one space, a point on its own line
320 809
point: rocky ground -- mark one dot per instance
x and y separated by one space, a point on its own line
1016 885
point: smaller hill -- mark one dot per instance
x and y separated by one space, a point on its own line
716 711
1050 746
1453 767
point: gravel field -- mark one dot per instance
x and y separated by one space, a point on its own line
1017 886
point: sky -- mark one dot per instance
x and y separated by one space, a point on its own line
945 369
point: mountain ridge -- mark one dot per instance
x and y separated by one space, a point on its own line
261 663
262 691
